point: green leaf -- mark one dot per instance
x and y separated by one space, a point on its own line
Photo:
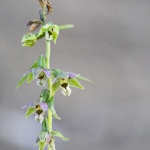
83 78
30 77
30 111
42 145
22 80
55 114
50 103
75 83
66 26
41 61
45 95
42 136
58 134
45 126
55 87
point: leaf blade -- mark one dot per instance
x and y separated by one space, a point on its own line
58 134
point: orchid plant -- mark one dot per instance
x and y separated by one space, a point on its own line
56 79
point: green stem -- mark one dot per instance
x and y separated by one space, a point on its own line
49 82
47 59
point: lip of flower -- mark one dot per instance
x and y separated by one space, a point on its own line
66 91
39 118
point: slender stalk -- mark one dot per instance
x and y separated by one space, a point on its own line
49 81
47 59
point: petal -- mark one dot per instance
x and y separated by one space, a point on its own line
36 102
47 73
28 72
72 75
27 105
43 106
36 72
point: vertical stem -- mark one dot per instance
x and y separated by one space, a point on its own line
47 59
49 82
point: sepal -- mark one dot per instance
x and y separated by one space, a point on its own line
42 136
29 39
42 145
30 111
30 77
59 73
55 87
75 83
22 80
83 78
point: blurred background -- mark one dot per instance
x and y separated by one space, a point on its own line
109 45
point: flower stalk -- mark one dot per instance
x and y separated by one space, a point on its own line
49 80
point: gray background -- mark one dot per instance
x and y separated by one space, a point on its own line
110 44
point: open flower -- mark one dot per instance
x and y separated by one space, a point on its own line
47 138
62 78
40 108
41 74
39 118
